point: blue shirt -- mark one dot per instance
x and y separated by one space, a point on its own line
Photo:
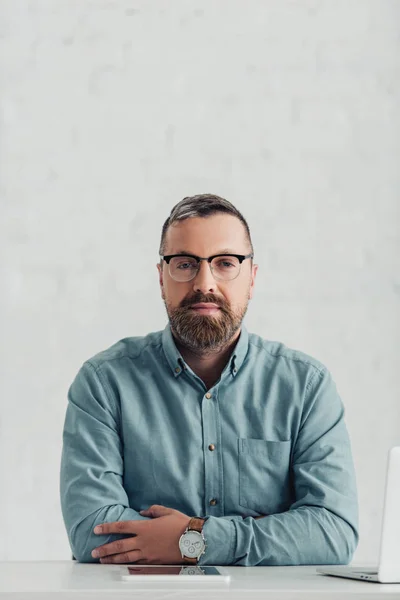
269 438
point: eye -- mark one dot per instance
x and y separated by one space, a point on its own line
225 263
184 265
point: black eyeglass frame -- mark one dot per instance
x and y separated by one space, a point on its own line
240 257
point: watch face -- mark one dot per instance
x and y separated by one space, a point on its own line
191 544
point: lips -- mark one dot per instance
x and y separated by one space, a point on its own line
204 305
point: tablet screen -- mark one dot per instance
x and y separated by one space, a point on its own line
172 570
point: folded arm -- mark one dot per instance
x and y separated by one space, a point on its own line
91 478
321 525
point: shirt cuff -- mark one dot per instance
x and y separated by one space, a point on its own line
220 536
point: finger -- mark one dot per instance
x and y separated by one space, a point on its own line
119 527
156 511
117 547
124 557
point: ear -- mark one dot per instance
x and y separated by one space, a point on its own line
254 270
161 280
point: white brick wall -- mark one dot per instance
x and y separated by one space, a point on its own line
112 111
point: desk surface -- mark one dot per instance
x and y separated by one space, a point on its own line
72 580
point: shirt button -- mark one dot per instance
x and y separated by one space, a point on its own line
213 502
208 395
211 447
177 370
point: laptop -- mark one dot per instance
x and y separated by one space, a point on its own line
388 570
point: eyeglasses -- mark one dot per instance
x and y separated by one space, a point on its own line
184 267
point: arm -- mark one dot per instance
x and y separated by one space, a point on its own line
92 465
321 526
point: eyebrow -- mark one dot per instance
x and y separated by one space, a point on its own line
223 251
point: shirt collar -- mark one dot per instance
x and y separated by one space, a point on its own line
177 364
172 354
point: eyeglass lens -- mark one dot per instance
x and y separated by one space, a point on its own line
185 268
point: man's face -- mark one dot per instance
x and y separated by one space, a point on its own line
200 328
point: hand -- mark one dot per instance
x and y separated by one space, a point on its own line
154 542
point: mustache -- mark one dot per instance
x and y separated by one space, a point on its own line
210 298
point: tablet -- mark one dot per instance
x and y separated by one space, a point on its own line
174 573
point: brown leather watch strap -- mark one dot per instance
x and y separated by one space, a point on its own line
196 524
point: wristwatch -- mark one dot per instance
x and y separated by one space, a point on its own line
192 543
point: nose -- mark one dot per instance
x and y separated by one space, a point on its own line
204 281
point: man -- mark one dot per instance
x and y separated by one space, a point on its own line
204 443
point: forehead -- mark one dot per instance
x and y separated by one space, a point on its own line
205 236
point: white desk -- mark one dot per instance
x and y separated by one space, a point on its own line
70 580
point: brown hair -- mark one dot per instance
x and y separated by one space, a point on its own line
202 205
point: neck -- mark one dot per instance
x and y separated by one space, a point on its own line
208 365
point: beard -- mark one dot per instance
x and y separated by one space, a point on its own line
204 333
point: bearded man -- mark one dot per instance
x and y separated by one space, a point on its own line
204 443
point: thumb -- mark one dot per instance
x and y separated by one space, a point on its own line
156 511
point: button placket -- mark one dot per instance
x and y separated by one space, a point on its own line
210 452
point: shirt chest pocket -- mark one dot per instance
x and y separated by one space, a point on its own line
264 475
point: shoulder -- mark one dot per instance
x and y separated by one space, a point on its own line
281 356
301 375
126 348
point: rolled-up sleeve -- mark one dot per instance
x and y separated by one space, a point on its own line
91 475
